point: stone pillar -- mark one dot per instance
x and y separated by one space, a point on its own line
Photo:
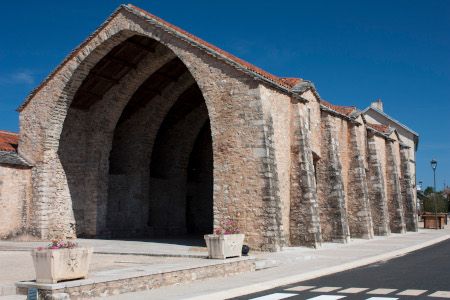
333 214
377 190
410 208
304 216
395 202
358 205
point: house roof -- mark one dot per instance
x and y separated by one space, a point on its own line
385 131
8 141
12 158
286 84
389 118
8 149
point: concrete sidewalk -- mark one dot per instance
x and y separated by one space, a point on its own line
182 247
298 264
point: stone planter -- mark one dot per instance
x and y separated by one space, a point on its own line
224 245
55 265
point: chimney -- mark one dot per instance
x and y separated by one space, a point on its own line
378 104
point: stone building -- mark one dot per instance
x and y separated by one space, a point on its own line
15 188
145 130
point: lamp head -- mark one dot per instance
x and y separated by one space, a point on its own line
433 164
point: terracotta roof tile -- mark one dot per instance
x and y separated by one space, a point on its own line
345 110
379 127
8 141
291 81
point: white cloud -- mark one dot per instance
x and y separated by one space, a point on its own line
23 77
19 77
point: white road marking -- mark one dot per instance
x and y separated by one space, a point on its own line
327 297
300 288
326 289
381 298
353 290
412 292
441 294
275 296
381 291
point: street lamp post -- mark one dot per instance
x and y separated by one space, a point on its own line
433 166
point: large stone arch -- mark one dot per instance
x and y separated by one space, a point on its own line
237 123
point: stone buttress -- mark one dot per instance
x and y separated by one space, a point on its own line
304 216
359 215
408 192
273 233
377 190
333 214
395 202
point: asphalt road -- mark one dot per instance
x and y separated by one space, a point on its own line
423 273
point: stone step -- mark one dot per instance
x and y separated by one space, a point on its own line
13 297
7 290
146 277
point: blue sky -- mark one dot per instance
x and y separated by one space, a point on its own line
354 52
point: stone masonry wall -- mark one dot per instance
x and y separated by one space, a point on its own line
358 204
377 188
245 180
15 196
276 107
409 205
330 182
146 282
312 118
304 211
395 201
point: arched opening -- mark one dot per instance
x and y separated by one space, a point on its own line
136 147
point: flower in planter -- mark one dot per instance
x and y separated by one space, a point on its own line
61 260
227 227
226 241
59 244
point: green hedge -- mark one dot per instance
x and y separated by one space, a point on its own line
441 203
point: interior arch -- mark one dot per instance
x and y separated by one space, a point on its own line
136 147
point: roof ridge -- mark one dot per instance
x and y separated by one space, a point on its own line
8 132
385 129
240 61
284 84
13 158
343 109
390 118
